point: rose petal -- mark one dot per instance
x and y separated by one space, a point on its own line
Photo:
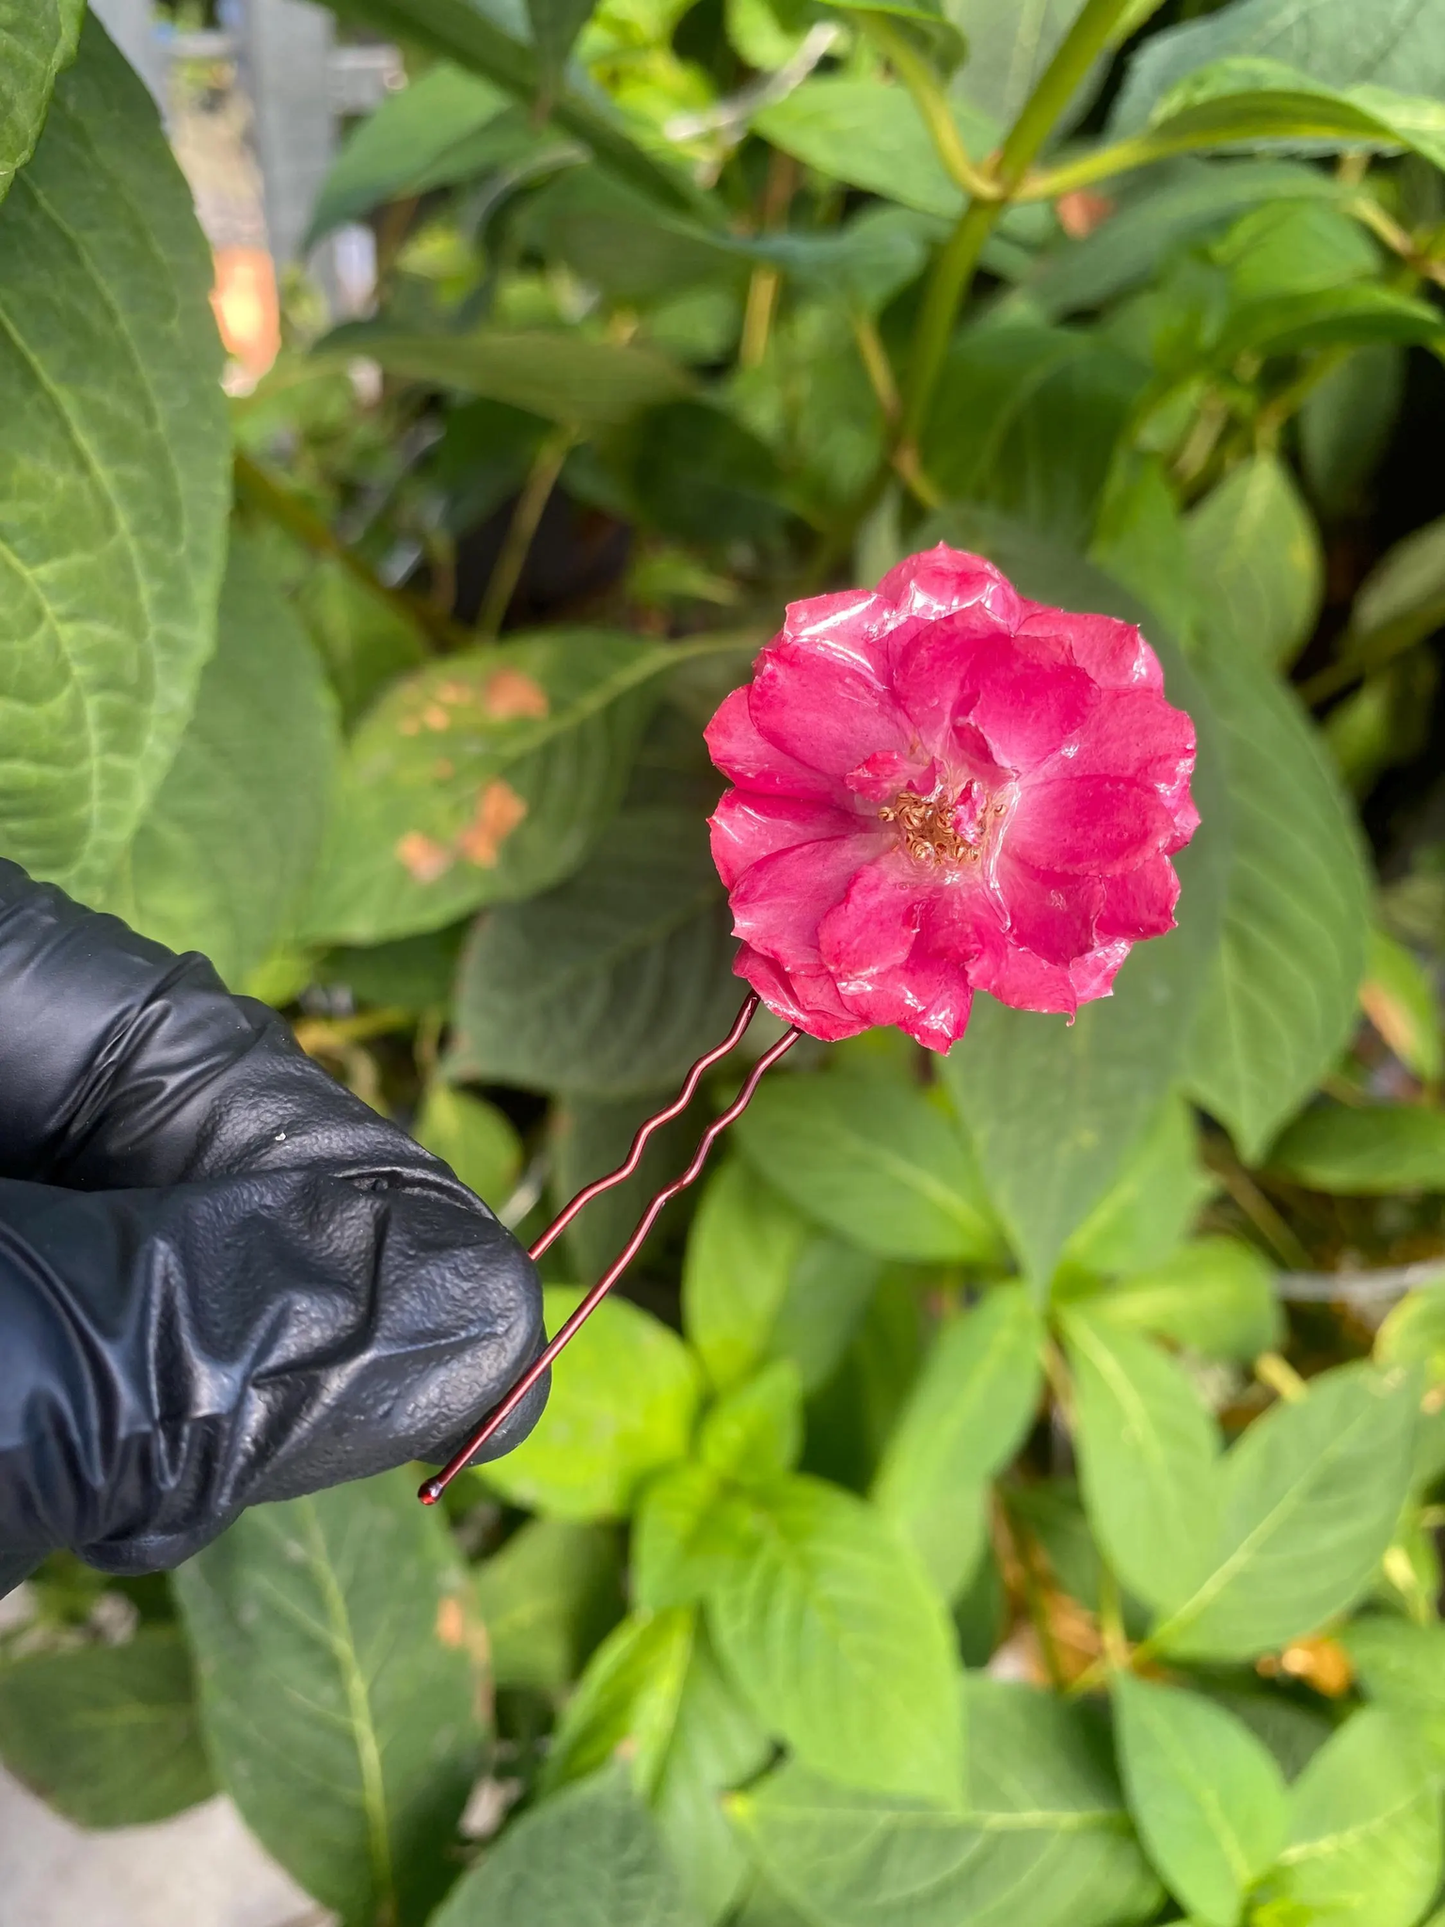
942 580
939 669
1025 982
749 758
1086 825
1139 903
828 713
851 628
1093 976
747 826
1131 733
779 901
1027 709
1050 914
1113 652
805 998
870 944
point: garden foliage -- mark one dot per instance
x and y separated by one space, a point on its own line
970 1520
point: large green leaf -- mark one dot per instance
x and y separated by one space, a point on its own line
832 1630
114 473
590 1857
108 1735
760 1282
1311 1497
1282 996
445 127
1043 1836
627 1699
37 39
547 1598
1401 1666
560 374
622 1404
1145 1214
481 779
231 837
964 1419
1394 43
1148 1459
337 1691
1026 418
1206 1795
1008 49
1216 1296
871 136
477 1140
874 1160
1257 557
1364 1153
613 982
1364 1845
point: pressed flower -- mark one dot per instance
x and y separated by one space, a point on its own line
942 787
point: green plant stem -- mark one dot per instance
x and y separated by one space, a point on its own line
536 493
300 521
931 101
954 270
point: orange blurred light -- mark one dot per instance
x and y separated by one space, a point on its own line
248 312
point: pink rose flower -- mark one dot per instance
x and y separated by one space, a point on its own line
941 787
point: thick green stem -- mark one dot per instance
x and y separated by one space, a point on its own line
954 270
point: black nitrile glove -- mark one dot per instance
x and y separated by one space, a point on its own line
223 1278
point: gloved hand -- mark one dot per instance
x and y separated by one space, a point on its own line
223 1278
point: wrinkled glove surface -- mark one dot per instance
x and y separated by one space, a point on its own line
223 1278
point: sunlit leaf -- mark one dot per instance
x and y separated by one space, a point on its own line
37 39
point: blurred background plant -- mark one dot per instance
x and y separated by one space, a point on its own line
880 1558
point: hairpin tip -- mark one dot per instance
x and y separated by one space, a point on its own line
430 1491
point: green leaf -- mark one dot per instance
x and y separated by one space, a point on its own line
1402 600
755 1433
1282 997
444 127
627 1698
624 243
1257 556
231 837
478 1141
839 1643
1141 1219
1394 43
871 136
760 1283
337 1693
1018 1075
1311 1496
560 374
114 472
1215 1296
1026 419
1044 1830
555 27
1148 1461
1414 1333
547 1598
1207 1796
1364 1153
1400 1000
107 1735
1401 1666
483 778
460 31
1346 423
1364 1845
614 982
699 475
1008 50
874 1161
622 1403
966 1415
687 1535
592 1855
37 39
1333 318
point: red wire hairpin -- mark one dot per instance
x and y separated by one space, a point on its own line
433 1488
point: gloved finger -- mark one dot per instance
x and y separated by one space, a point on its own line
172 1356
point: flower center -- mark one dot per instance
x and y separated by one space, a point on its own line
943 827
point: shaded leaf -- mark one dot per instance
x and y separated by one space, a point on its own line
831 1629
331 1639
37 39
482 778
551 1593
1311 1496
622 1403
1148 1459
555 27
1044 1820
478 1141
965 1418
114 471
610 984
1400 1000
871 135
1008 50
874 1161
1364 1153
108 1735
627 1698
1215 1296
1346 423
1257 557
231 837
1142 1218
590 1857
1208 1798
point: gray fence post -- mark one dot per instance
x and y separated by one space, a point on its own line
285 52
